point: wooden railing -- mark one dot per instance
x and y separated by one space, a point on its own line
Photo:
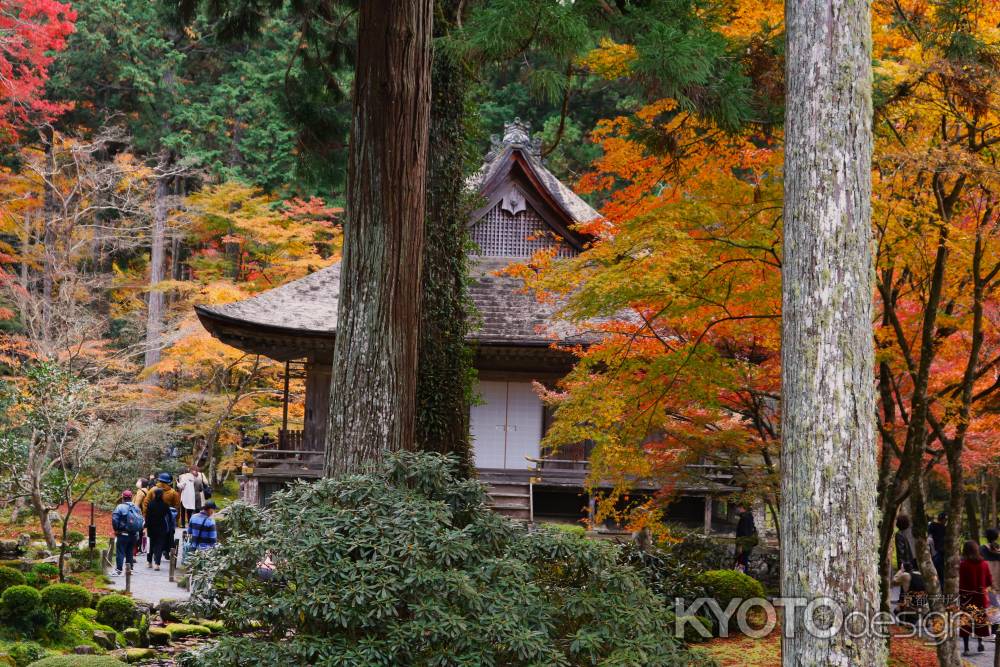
290 440
291 458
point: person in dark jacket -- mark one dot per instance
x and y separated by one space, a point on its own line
906 558
746 538
158 521
936 530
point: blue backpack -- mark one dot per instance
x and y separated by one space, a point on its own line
131 522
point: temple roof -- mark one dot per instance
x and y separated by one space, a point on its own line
516 144
303 315
300 318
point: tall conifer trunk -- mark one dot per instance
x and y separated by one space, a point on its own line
373 390
157 264
828 465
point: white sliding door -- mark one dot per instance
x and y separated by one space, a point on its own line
488 422
524 424
507 425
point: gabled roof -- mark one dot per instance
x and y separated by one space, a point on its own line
517 157
300 318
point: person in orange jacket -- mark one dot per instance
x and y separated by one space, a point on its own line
170 496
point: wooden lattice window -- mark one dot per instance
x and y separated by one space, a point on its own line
502 234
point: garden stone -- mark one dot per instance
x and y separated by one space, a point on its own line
159 636
105 639
131 636
173 611
24 540
139 654
84 649
10 549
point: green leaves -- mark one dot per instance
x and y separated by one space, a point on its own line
406 565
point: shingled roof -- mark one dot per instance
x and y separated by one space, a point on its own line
301 316
307 308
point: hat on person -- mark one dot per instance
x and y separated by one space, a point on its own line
126 494
165 477
210 505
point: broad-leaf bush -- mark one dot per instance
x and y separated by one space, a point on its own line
407 566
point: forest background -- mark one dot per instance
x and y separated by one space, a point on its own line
150 163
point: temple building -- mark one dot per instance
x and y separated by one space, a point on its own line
525 208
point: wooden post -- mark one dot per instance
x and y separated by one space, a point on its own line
708 515
284 413
128 578
173 565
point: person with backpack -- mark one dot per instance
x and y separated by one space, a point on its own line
159 528
127 522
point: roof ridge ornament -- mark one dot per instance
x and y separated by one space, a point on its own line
517 134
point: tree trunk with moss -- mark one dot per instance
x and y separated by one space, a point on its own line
445 372
828 465
373 389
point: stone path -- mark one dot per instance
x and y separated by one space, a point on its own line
149 585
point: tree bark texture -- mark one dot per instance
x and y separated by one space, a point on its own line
444 377
828 464
373 385
157 263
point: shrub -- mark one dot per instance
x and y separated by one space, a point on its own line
728 585
46 570
10 577
697 549
118 611
64 599
74 537
408 566
78 661
664 572
20 601
25 653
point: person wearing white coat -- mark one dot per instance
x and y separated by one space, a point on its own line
192 487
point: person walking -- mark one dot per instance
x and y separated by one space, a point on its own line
936 531
170 497
974 583
192 487
139 500
991 553
746 538
158 523
202 527
126 522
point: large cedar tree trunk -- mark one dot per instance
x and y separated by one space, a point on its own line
828 464
157 263
373 389
445 370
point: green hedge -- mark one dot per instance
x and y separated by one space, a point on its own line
10 577
64 599
118 611
20 600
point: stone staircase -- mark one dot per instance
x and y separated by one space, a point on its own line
511 499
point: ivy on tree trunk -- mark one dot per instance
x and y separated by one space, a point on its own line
445 370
